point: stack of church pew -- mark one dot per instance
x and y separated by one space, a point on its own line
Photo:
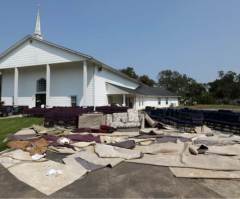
111 109
222 119
178 117
35 112
69 115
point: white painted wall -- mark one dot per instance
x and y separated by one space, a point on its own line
66 81
143 101
105 76
27 84
36 53
7 86
90 85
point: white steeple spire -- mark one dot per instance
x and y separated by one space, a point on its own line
37 32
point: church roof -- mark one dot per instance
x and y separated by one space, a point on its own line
147 90
90 58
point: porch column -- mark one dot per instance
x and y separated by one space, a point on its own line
124 100
48 82
94 87
84 100
15 96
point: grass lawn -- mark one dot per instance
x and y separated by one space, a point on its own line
213 106
12 125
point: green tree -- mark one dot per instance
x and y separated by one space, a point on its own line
226 88
146 80
189 89
129 71
173 81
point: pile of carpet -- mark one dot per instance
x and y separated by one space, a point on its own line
49 159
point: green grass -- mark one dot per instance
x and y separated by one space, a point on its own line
214 106
12 125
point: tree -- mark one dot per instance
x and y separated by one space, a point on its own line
173 81
146 80
226 88
129 71
188 88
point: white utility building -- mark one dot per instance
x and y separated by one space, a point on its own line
37 72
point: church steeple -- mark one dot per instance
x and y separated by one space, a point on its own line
37 32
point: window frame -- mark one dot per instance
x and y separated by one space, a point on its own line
159 101
73 99
41 85
167 101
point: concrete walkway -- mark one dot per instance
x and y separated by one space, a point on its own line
10 117
127 180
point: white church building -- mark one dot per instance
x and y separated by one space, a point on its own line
36 72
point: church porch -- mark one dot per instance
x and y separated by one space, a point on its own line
62 84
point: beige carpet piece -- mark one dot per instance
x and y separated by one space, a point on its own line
203 173
62 149
233 150
25 132
165 148
15 157
203 129
35 175
70 161
169 132
82 144
90 156
159 159
144 142
218 139
108 151
41 129
212 162
124 134
112 139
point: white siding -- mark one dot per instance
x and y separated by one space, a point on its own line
26 101
66 81
27 84
90 85
36 53
7 86
104 76
143 101
114 90
60 101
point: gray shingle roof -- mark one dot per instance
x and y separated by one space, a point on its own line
146 90
154 91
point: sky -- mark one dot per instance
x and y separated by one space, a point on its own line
195 37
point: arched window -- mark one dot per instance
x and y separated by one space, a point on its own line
41 85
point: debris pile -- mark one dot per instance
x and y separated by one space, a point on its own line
49 159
